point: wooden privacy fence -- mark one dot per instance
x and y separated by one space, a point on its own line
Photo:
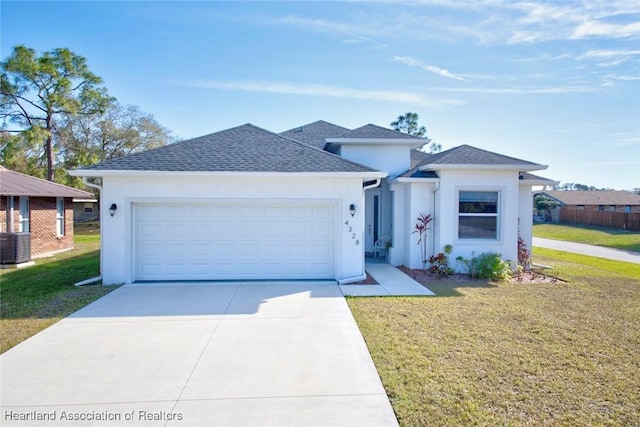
618 220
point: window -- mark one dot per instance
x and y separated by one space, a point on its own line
627 209
25 224
60 216
580 207
600 207
478 215
88 207
612 208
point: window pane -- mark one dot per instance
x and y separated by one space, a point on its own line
60 216
478 202
25 226
478 227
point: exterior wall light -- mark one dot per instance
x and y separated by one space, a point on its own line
352 209
112 209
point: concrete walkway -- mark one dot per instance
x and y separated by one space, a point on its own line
391 282
591 250
230 354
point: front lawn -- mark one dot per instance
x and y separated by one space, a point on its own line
563 353
611 238
35 297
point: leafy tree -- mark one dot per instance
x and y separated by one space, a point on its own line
117 132
19 153
570 186
35 91
544 203
408 123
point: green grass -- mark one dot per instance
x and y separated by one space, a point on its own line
563 353
34 298
618 239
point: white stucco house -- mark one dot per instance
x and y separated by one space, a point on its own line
308 203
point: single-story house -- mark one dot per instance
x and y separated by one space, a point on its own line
86 209
41 208
600 200
308 203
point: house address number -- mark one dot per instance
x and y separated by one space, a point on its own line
350 230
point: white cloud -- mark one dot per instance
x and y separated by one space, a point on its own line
522 90
324 90
621 77
595 28
598 54
332 27
412 62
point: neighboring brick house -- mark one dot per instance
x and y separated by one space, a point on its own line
42 208
610 201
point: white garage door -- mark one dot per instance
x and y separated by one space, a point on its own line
239 241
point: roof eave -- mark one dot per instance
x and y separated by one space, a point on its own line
538 182
403 180
519 168
413 143
90 173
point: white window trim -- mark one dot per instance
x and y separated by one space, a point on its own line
498 215
60 213
25 221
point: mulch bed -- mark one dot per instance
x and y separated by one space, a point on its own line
423 276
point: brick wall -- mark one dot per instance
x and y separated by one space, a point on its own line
44 239
3 213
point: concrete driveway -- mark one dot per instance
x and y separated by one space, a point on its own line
231 354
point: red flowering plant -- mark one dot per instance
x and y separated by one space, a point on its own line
421 227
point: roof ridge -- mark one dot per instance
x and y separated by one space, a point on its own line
313 123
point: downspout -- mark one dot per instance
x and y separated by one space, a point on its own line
86 182
374 185
363 276
433 215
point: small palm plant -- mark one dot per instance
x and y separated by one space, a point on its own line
421 227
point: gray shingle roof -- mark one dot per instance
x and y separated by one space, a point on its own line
417 158
316 133
245 148
17 184
595 197
375 131
531 177
468 155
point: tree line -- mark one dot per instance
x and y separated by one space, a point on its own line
57 115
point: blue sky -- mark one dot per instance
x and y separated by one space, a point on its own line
552 82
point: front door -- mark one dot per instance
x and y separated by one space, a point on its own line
371 219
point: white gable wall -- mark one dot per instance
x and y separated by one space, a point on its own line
117 231
446 218
394 159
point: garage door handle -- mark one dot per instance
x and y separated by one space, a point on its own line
369 228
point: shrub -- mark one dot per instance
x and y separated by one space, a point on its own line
439 264
488 265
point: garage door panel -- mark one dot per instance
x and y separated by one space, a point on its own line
323 250
248 241
322 213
